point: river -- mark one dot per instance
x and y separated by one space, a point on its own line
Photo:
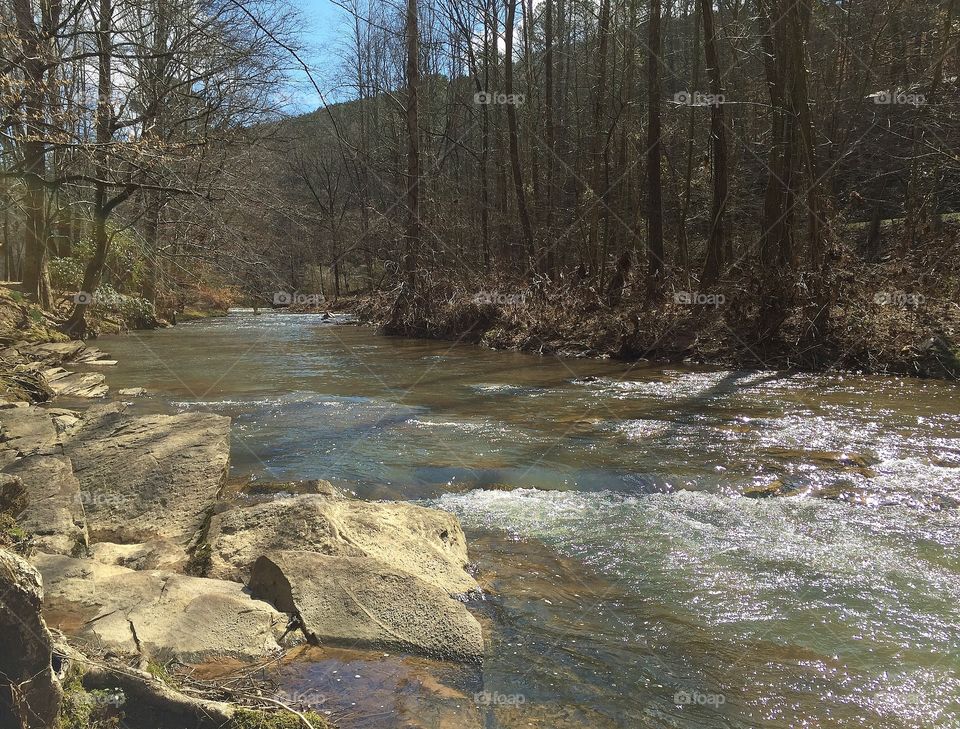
631 583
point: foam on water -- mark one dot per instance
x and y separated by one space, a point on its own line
870 593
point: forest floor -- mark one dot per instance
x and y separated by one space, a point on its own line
894 317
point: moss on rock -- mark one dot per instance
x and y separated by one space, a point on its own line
82 709
251 719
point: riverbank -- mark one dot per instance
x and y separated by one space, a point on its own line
22 321
134 563
901 319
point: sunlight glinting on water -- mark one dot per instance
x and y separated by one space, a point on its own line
607 503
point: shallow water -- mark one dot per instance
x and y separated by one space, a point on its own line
632 583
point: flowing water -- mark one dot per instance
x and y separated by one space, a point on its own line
631 581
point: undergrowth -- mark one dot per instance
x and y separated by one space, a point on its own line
898 317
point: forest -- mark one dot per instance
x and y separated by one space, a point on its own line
761 181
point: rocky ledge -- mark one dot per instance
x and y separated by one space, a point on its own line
131 549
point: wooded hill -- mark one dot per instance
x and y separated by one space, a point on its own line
782 170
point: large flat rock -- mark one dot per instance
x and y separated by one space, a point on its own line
160 615
54 509
56 353
149 478
363 603
45 359
76 384
427 543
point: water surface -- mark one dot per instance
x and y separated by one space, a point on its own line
632 582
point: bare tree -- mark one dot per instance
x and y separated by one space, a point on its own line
655 250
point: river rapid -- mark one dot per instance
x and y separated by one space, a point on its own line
632 582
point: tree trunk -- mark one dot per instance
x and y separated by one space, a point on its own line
413 232
654 175
682 237
597 188
776 237
76 324
716 243
485 147
34 150
798 19
514 134
921 191
551 132
151 236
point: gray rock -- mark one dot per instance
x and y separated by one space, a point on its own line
27 431
427 543
76 384
132 392
57 353
53 353
156 614
65 421
26 648
149 478
54 510
364 603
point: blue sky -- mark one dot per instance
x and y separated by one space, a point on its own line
323 21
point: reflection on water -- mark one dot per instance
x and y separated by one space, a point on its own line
632 583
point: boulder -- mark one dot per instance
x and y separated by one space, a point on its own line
132 392
363 603
54 509
26 650
149 478
427 543
157 615
76 384
27 431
